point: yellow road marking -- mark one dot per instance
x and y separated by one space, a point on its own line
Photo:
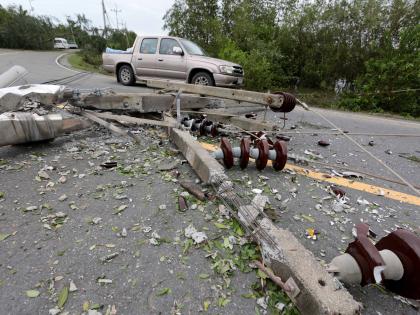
372 189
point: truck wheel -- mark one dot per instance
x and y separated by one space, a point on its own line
126 75
202 78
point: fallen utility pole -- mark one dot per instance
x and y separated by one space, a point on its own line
266 99
311 287
17 128
141 102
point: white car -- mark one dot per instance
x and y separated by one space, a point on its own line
73 45
60 43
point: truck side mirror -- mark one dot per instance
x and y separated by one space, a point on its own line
177 51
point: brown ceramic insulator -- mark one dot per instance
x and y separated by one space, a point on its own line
261 135
284 138
281 155
251 115
288 105
245 148
194 125
203 127
227 152
365 253
406 245
214 131
338 191
263 148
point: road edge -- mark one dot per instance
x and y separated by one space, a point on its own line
58 63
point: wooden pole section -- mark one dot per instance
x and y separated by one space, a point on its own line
265 99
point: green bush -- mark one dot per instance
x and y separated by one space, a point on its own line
257 68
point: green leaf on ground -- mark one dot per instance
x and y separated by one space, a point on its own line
62 297
206 305
164 291
220 225
223 301
308 218
4 236
32 293
120 209
203 276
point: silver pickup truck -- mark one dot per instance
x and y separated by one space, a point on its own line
173 58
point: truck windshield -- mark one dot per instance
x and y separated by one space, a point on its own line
192 48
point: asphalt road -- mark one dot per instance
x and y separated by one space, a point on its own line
301 197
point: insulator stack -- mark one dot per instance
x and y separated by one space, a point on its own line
203 126
261 151
393 261
288 105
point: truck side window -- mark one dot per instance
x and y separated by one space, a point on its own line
148 46
167 45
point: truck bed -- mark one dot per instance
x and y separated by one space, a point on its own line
110 59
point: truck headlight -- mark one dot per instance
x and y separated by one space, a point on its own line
226 69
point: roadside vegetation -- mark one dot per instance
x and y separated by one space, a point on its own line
368 51
20 30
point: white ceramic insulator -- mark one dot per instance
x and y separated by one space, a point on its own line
254 153
218 154
394 269
236 152
347 270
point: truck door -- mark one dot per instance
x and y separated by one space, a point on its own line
144 60
171 64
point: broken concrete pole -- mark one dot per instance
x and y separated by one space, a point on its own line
142 102
18 128
12 75
12 98
314 290
320 293
204 165
273 100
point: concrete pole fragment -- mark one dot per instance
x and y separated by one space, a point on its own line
315 291
18 128
143 102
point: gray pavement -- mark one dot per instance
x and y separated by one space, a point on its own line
43 259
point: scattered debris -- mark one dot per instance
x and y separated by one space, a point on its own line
193 189
198 237
182 204
109 257
323 143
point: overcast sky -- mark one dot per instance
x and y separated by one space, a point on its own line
141 16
